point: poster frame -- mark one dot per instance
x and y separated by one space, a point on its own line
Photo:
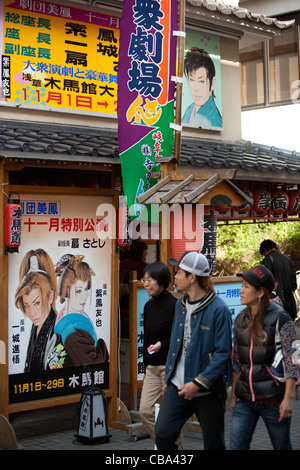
111 392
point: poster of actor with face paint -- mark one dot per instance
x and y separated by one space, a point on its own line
201 97
59 302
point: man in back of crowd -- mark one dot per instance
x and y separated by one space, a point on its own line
284 272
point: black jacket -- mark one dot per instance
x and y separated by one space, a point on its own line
284 272
255 381
158 318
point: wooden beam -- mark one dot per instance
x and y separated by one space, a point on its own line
239 191
140 199
196 192
114 317
180 70
4 407
177 188
132 340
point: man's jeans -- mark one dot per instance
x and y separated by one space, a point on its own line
244 419
175 410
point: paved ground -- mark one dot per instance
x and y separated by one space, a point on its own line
54 430
50 430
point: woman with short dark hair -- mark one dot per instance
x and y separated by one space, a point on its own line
158 317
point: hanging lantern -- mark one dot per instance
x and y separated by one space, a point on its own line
221 203
294 202
13 212
124 238
246 206
280 202
262 201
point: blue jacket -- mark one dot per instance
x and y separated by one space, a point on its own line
209 350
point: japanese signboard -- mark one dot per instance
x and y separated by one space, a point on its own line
230 293
142 298
58 56
145 92
59 299
228 290
201 96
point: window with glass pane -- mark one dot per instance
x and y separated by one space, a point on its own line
283 65
252 74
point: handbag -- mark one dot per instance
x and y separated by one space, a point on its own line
277 367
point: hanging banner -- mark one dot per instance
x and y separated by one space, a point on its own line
147 61
59 299
59 56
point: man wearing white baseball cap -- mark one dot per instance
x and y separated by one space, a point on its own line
198 357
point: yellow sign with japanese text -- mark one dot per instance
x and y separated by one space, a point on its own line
59 56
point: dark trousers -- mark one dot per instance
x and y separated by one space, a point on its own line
175 410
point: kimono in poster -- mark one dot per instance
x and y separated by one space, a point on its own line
59 299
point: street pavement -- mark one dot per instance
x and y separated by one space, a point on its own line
54 430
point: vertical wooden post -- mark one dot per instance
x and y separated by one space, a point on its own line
114 337
180 71
4 401
133 340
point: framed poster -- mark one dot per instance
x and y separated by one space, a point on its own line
201 94
59 299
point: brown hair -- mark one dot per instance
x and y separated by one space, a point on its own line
45 264
34 280
256 324
70 275
204 282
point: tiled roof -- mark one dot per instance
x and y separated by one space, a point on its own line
227 12
26 140
58 142
189 189
238 155
241 14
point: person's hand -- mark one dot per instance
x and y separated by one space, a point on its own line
163 389
153 348
232 403
188 391
285 408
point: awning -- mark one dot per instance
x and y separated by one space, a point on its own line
193 189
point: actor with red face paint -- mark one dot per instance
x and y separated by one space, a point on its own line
255 391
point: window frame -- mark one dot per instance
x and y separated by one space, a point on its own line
266 69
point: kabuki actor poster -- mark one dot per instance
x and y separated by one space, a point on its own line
201 96
59 299
145 92
58 56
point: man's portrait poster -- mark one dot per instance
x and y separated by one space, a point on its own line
201 97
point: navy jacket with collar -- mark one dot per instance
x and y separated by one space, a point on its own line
209 351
